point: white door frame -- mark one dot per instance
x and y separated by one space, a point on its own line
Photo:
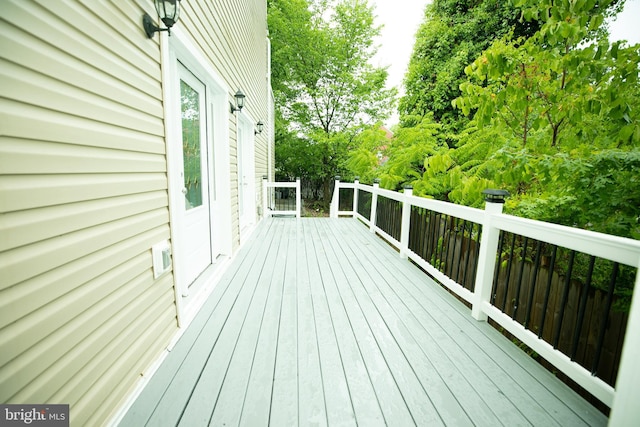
179 48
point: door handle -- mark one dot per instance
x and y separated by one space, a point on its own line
184 190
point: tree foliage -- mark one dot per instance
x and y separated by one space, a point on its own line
326 90
552 116
453 34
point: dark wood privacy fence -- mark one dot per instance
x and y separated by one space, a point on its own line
576 302
448 243
364 204
563 292
389 216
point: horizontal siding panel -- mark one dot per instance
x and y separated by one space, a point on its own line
37 89
36 55
19 157
36 326
37 123
125 17
35 191
119 332
90 22
41 24
25 227
139 357
20 300
71 347
29 261
121 354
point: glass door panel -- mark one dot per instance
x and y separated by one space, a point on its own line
191 145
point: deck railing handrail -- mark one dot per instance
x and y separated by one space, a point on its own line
622 399
266 198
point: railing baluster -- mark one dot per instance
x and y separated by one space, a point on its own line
516 301
441 235
563 302
451 251
534 281
552 265
461 252
496 274
423 230
477 257
583 306
508 278
605 318
468 257
432 236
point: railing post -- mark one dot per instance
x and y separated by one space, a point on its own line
265 198
488 252
356 183
298 198
335 200
625 410
406 222
374 205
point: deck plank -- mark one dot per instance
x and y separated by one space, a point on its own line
414 395
319 322
366 405
470 382
431 374
533 389
311 390
167 393
257 402
337 395
231 357
284 398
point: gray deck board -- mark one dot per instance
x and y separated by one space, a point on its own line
319 322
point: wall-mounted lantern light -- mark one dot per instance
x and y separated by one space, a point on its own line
259 128
239 101
168 12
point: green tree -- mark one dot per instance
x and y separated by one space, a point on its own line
566 105
453 34
326 90
553 117
365 159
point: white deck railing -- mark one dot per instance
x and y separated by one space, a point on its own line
622 400
272 200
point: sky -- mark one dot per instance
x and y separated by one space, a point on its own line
401 18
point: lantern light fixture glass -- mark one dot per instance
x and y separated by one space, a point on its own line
240 96
168 11
259 128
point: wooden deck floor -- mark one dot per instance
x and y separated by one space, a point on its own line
318 322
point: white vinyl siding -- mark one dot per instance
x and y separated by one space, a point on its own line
83 197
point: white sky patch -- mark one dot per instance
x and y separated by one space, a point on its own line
626 26
400 20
